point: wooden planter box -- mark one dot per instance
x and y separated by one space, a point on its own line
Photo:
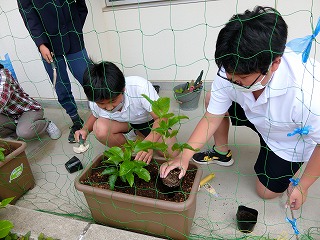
16 176
140 214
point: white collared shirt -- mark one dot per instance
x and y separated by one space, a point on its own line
290 100
136 108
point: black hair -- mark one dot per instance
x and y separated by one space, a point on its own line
103 81
1 66
251 41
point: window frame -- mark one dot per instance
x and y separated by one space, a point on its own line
127 4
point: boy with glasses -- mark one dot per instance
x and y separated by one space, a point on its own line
262 85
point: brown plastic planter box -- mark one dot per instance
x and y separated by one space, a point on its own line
140 214
16 176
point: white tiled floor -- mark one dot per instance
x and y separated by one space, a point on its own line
215 216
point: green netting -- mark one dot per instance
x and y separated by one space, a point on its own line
170 49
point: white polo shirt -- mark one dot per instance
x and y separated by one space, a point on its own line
136 108
290 100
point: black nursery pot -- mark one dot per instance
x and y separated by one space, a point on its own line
246 218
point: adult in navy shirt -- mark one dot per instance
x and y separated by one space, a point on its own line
56 28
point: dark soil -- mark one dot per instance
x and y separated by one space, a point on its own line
246 216
8 148
172 179
152 189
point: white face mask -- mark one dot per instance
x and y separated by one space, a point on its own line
255 87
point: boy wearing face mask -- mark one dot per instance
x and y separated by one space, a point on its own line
262 85
119 111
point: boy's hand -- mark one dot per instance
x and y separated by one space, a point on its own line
83 132
166 167
297 197
144 156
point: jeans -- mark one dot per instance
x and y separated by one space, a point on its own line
77 63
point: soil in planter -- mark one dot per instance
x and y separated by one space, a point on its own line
152 189
172 180
8 148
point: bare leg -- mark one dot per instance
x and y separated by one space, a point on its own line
110 132
221 135
264 192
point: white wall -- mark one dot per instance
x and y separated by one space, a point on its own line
167 43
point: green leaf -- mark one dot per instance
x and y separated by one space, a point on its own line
181 146
163 103
129 146
5 202
168 115
115 155
174 120
146 145
27 236
143 146
146 97
114 151
41 236
143 174
123 178
110 171
140 164
127 154
163 124
173 133
112 181
114 160
130 179
160 146
5 227
160 107
2 157
125 168
161 131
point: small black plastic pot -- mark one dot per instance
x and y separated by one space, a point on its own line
246 218
73 165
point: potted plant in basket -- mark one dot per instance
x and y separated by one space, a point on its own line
16 176
129 194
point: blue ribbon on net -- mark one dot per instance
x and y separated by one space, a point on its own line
302 131
294 225
303 45
295 182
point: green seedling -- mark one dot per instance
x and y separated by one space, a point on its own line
5 225
120 164
2 156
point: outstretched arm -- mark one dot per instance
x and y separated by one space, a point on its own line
201 134
309 176
153 137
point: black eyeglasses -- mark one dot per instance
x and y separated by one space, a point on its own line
236 82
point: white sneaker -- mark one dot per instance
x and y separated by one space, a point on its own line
53 131
131 135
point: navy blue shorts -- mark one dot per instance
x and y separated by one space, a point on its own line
273 172
143 128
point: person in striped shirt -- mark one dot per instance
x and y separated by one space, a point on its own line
21 117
